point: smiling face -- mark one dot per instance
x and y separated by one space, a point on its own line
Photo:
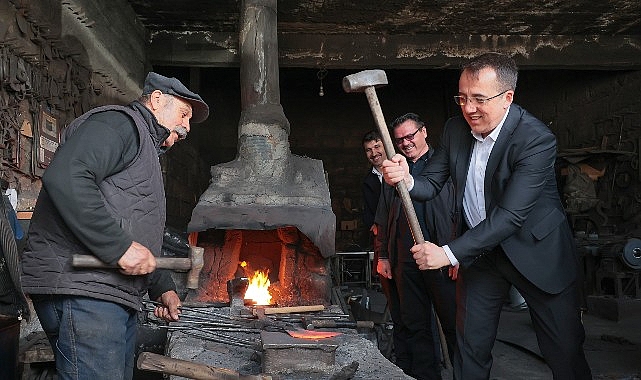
375 152
483 118
410 138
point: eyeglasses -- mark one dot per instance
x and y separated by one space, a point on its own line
462 100
407 138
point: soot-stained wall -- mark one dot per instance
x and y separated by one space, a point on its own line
584 109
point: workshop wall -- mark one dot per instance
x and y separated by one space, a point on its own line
45 82
579 106
596 117
47 79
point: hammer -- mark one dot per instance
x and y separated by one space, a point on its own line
192 264
367 81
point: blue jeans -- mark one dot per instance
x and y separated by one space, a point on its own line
91 339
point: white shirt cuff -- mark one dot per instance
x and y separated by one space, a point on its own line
450 255
411 185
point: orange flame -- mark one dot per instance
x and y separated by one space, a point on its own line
258 289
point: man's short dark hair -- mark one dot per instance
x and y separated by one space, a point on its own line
506 70
408 116
372 135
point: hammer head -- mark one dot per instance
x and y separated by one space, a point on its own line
197 263
361 80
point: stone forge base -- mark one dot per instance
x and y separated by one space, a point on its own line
352 347
285 354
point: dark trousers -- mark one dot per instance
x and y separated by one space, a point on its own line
9 341
442 291
411 295
482 289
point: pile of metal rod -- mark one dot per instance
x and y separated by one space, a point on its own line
209 323
213 324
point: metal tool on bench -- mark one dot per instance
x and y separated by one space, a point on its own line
335 324
192 264
366 81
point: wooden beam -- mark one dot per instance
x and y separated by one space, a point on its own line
109 41
404 51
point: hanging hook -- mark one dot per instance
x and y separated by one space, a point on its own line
321 74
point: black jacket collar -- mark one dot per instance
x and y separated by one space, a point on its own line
157 132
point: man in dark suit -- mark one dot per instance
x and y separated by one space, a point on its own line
375 153
513 228
412 294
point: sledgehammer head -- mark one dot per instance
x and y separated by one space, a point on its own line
361 80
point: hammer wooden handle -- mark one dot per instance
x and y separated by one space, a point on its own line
293 309
412 220
160 363
367 80
193 264
174 263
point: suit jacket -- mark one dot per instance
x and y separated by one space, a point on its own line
371 193
439 216
524 214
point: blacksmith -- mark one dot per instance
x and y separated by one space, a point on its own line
103 195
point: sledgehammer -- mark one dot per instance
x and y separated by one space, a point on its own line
367 81
192 264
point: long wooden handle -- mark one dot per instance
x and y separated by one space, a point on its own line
159 363
294 309
412 220
174 263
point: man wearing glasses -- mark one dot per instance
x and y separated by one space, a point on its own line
512 229
411 293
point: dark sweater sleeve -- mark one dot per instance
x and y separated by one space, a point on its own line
160 281
103 145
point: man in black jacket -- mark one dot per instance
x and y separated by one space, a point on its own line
412 293
372 183
103 195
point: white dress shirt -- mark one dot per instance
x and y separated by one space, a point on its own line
378 174
474 196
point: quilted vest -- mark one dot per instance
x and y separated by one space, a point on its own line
135 197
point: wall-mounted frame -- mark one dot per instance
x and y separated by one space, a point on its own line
48 138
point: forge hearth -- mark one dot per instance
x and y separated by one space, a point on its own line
298 273
283 353
267 353
265 187
282 197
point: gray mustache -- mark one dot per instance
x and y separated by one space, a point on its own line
181 132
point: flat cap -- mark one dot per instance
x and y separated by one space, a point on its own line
172 86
